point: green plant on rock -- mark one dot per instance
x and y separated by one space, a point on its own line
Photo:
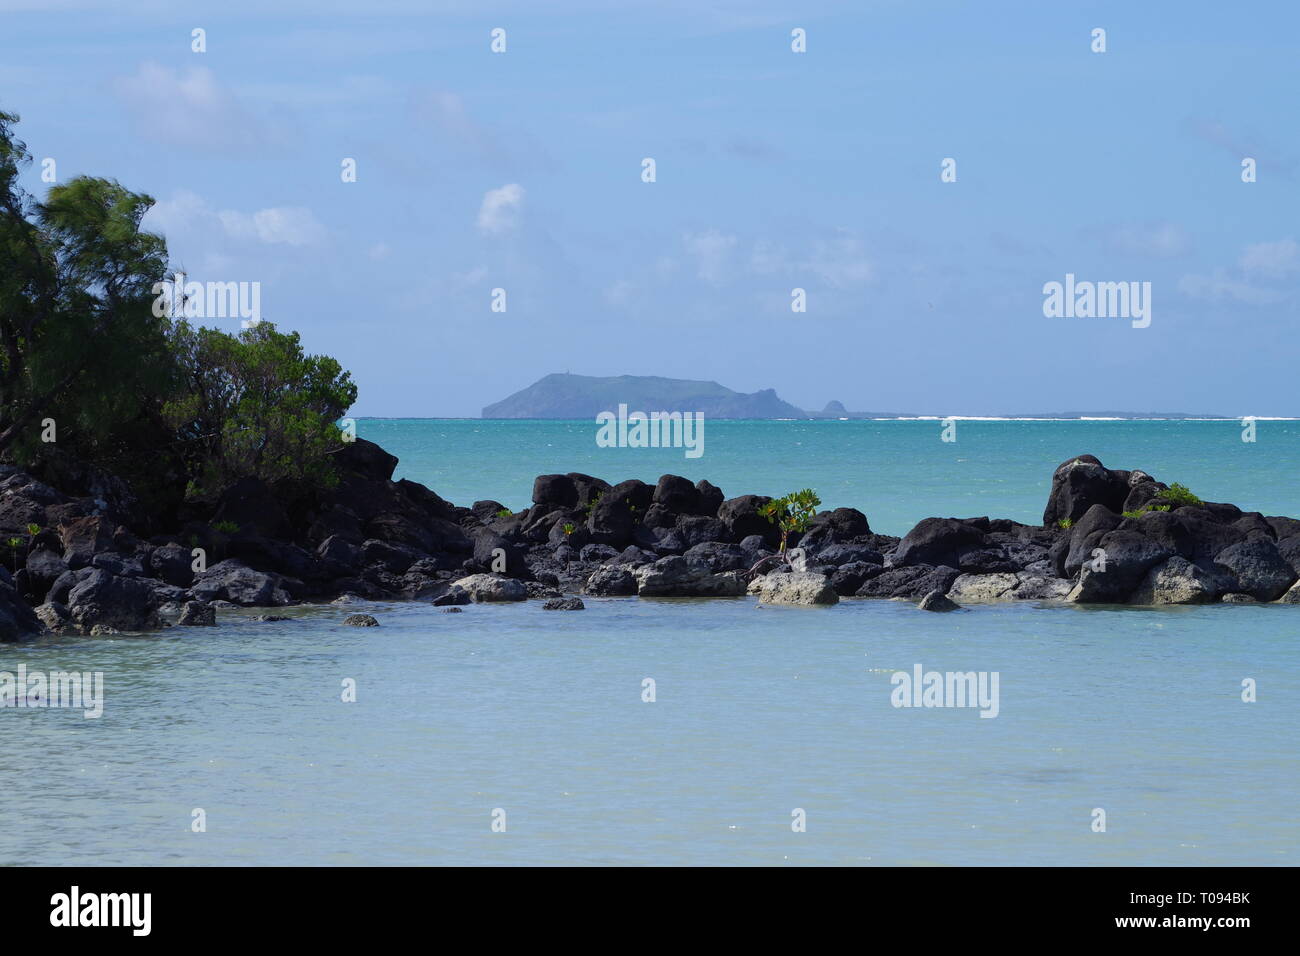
569 528
791 512
225 527
504 513
1065 523
13 550
1177 494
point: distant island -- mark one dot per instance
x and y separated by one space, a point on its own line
561 395
584 396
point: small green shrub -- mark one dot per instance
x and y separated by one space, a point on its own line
1065 523
1144 510
791 512
1179 495
225 527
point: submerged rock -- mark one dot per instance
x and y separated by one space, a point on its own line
55 618
938 601
197 614
564 604
454 595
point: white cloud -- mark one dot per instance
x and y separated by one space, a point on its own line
711 251
621 292
1273 260
1162 239
499 212
840 262
280 225
177 214
1220 286
1254 280
187 108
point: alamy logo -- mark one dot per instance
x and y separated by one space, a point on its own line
946 689
1101 300
103 909
655 430
82 690
208 300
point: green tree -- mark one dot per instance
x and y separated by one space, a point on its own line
175 409
79 342
255 405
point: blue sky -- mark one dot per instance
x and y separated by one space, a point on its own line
775 170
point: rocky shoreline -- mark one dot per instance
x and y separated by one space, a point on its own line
75 566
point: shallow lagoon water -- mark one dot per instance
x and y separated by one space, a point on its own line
758 711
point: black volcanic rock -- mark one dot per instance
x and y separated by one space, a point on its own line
913 582
1258 568
555 490
385 539
1080 483
741 518
17 619
938 541
366 459
676 494
1128 556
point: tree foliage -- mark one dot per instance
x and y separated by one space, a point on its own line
176 409
255 404
81 344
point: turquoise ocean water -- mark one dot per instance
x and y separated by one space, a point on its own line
757 712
